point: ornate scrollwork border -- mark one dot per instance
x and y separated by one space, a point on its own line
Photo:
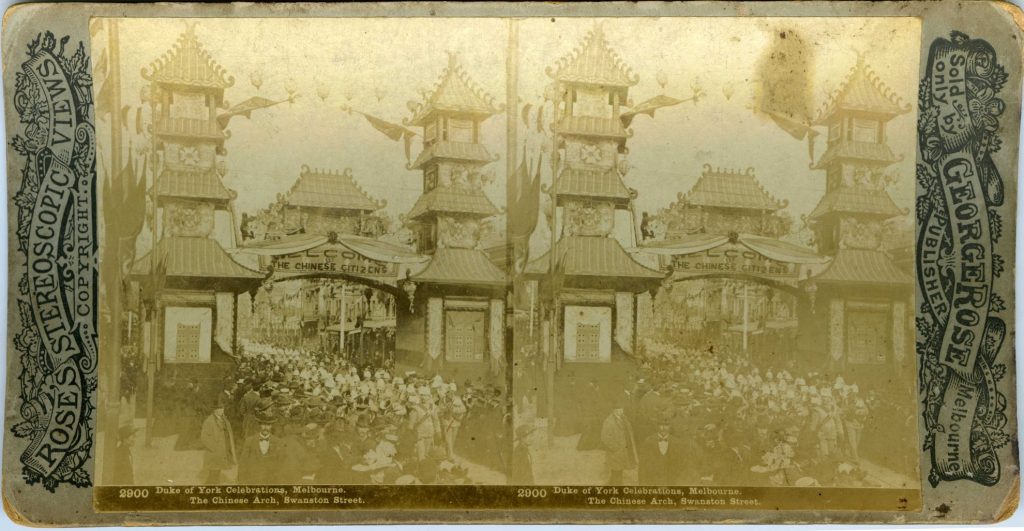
56 239
960 331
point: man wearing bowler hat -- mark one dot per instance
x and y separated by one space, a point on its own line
218 445
619 443
262 453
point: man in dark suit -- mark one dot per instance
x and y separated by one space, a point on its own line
218 445
522 458
247 411
619 445
262 454
337 457
661 457
124 466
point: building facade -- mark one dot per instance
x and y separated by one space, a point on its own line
863 298
591 289
189 280
460 293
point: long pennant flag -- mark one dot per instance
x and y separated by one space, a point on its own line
246 107
648 107
524 207
391 130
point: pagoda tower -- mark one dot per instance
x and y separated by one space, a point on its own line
596 280
460 293
194 282
865 293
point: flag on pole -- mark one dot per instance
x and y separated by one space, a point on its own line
524 206
648 107
391 130
246 107
103 96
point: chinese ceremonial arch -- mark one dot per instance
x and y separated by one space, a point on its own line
380 265
760 259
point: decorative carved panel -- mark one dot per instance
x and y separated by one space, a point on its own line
589 218
188 218
323 223
856 234
458 233
435 324
590 154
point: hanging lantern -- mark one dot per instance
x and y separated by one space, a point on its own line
291 86
256 79
323 90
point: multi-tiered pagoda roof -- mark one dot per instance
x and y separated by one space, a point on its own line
851 149
594 257
594 63
862 201
459 267
455 92
449 200
863 266
862 92
188 63
330 189
591 183
192 183
726 188
195 262
449 150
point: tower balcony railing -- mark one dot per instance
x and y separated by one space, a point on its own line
188 127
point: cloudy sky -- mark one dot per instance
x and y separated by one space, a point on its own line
378 65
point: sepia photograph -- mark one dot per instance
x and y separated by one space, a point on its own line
730 294
488 251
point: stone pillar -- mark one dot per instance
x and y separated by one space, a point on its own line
435 331
496 316
225 326
836 329
624 316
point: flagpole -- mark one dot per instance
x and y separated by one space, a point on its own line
511 154
552 339
154 312
113 384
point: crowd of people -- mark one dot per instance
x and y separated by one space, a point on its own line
288 416
702 416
